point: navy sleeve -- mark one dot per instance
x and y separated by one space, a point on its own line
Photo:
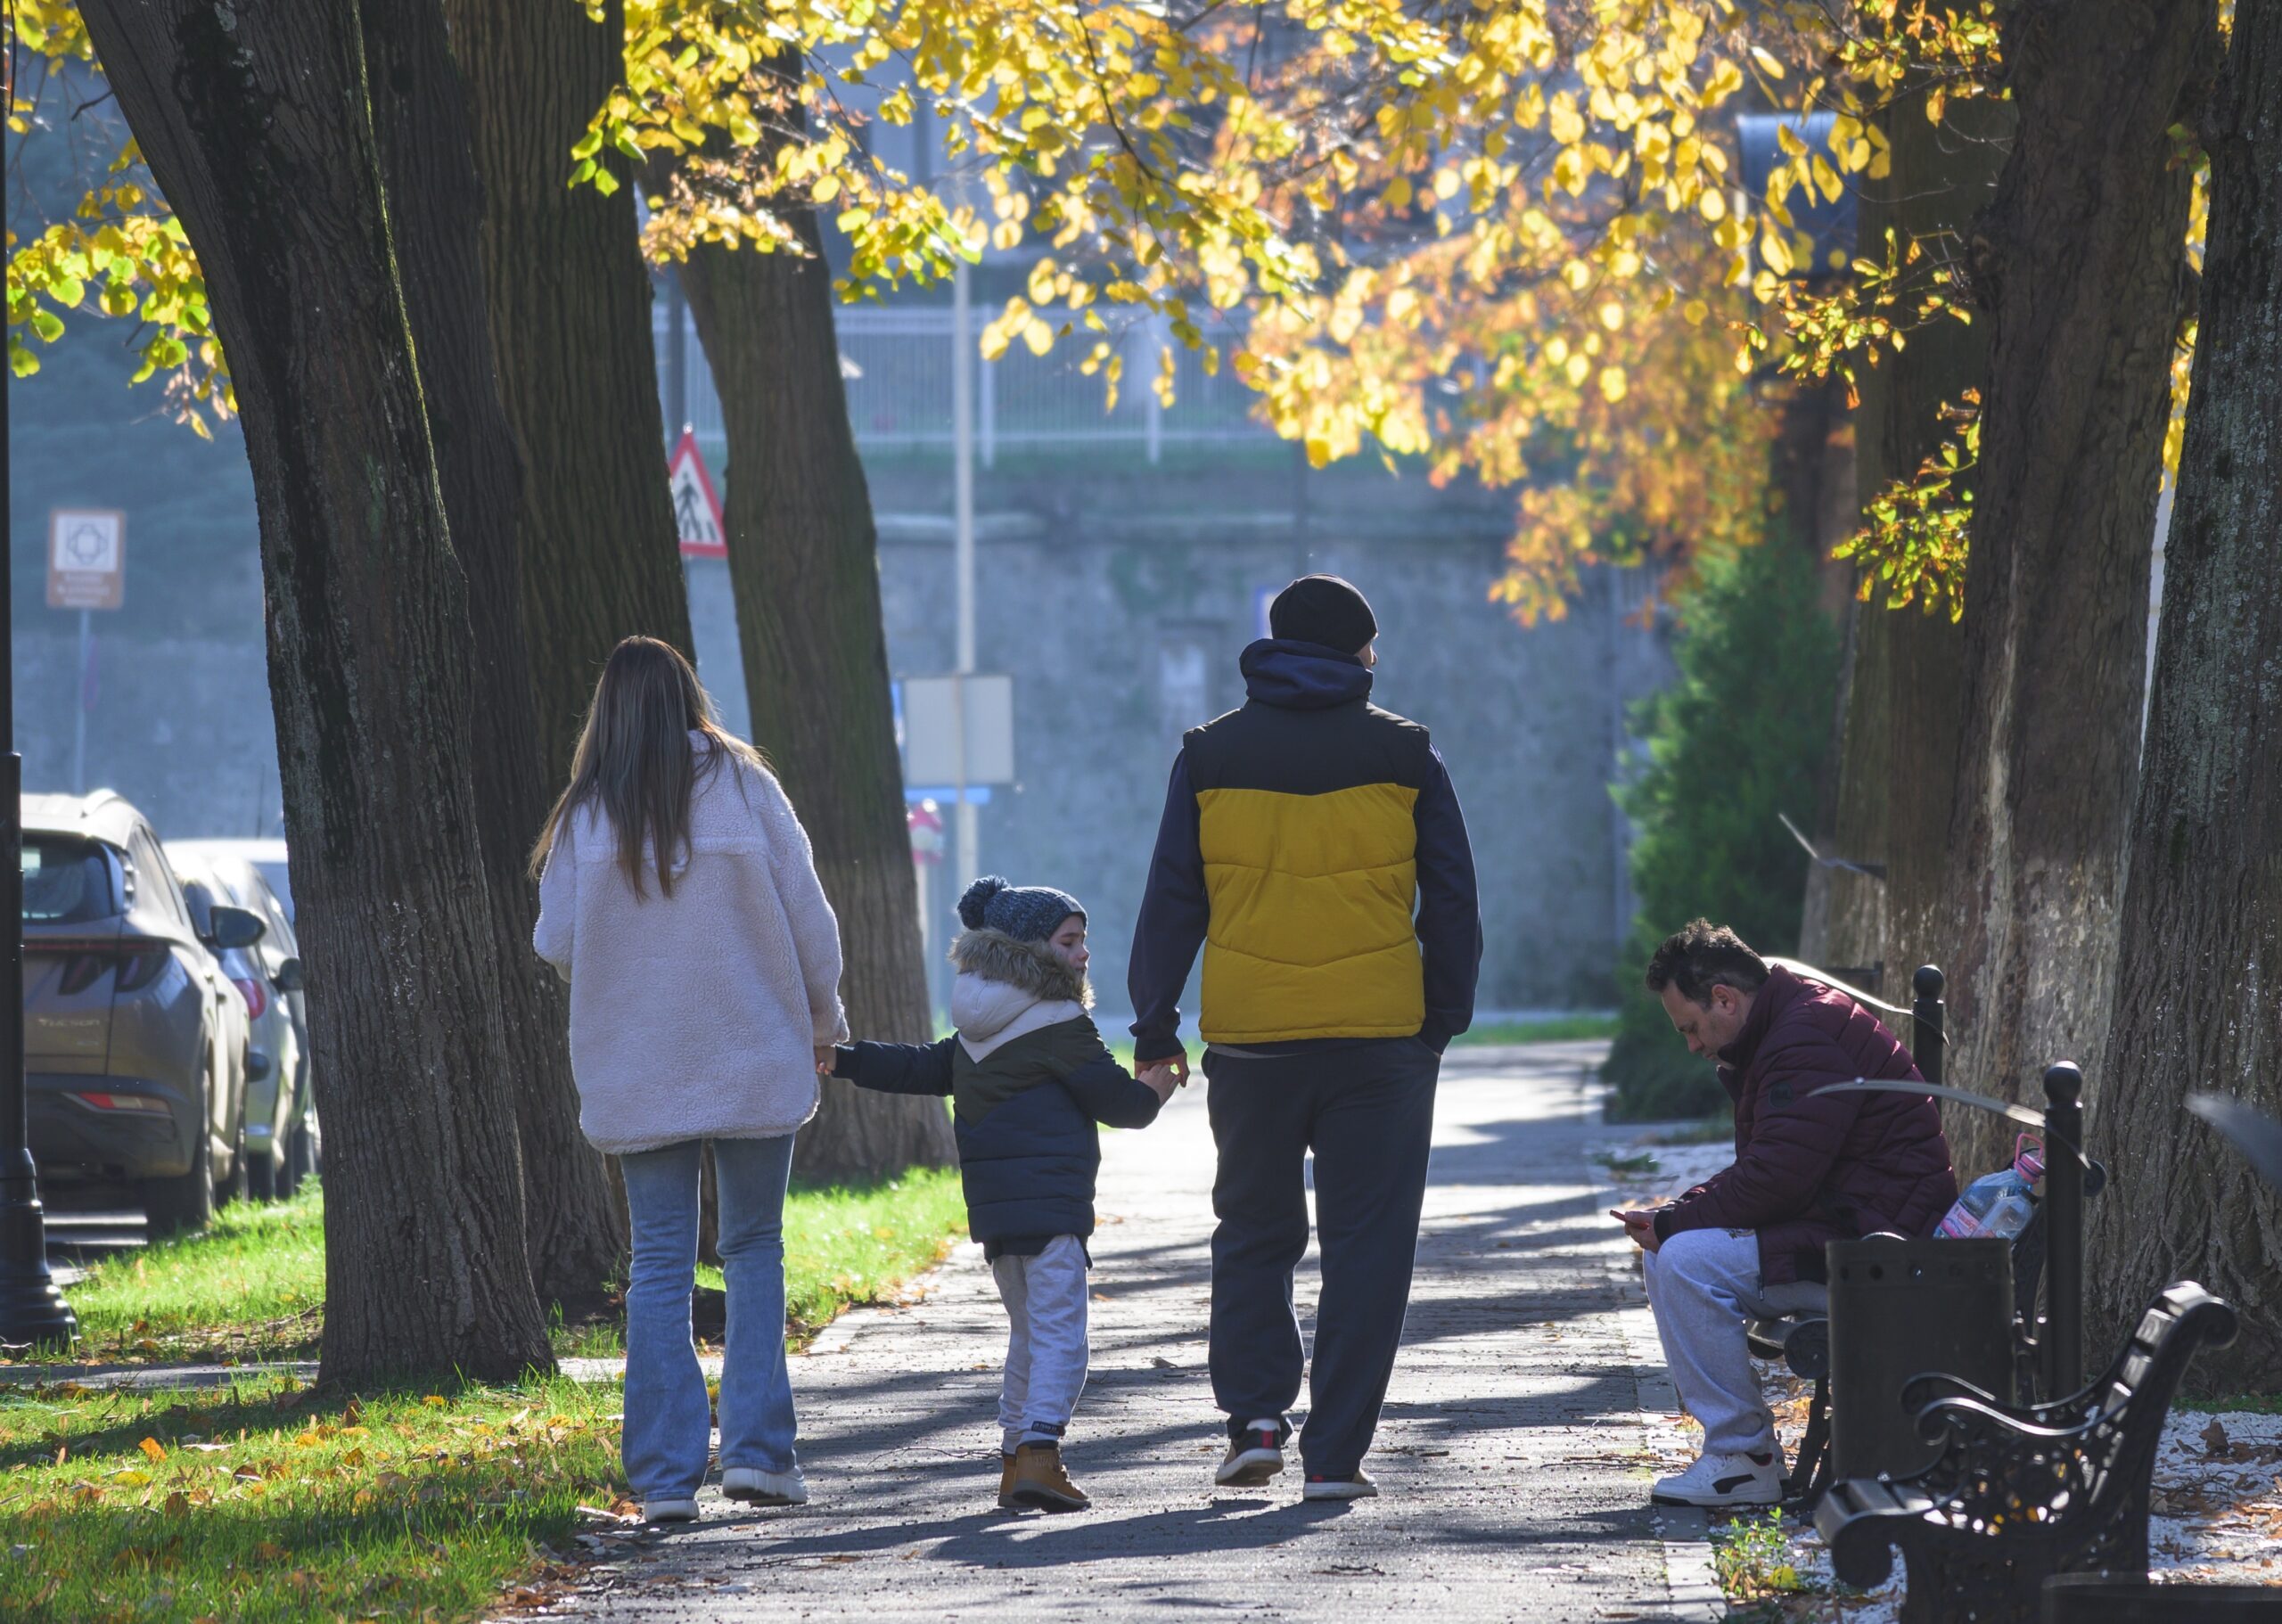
1449 910
1174 915
1107 1092
896 1068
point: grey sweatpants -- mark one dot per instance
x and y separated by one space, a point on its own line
1046 1341
1704 1287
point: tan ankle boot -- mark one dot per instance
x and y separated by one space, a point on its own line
1007 1501
1040 1482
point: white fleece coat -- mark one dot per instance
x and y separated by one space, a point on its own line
698 1015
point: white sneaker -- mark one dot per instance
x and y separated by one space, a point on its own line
669 1511
755 1487
1355 1488
1724 1480
1254 1455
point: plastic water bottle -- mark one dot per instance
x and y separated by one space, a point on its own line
1999 1204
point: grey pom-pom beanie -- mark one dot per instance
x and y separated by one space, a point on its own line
1027 912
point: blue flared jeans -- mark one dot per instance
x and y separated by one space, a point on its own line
668 1421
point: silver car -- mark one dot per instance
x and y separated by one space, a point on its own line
134 1040
280 1144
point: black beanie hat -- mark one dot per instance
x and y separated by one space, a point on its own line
1324 610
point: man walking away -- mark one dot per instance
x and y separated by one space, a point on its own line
1810 1167
1312 845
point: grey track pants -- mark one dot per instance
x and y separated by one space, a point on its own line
1046 1342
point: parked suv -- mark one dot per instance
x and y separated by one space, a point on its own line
134 1040
279 1142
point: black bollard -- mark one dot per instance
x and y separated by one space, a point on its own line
1929 1037
2063 1231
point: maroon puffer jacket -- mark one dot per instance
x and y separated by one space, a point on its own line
1812 1166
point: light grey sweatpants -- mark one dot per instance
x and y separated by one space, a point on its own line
1704 1287
1046 1342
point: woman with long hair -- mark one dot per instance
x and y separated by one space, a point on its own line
678 898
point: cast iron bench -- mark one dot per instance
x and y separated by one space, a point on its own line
2022 1492
1802 1342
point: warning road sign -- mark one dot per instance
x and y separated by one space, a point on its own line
697 511
86 558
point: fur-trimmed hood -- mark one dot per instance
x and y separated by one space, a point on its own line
1007 988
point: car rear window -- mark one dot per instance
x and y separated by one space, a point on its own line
66 882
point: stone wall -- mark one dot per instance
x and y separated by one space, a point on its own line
1119 601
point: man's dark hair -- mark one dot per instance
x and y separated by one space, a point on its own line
1702 956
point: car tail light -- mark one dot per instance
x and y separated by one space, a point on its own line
128 1103
257 996
81 972
139 966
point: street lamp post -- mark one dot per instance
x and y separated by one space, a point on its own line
31 1309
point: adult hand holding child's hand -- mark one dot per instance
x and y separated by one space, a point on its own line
825 1057
1161 1079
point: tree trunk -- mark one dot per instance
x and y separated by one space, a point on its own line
804 565
570 303
2201 941
1901 717
256 125
576 1222
2079 263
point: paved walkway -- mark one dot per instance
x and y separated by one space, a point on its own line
1513 1459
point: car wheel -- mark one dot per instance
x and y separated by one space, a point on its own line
302 1160
184 1204
241 1167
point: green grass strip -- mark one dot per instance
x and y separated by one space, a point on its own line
261 1503
252 1286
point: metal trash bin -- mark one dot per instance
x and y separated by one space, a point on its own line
2102 1598
1901 1309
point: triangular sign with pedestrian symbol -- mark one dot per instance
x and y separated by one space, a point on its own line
697 511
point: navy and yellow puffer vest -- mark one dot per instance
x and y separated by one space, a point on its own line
1306 823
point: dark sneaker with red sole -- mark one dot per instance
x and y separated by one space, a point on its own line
1255 1454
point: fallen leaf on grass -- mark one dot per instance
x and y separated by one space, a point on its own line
153 1448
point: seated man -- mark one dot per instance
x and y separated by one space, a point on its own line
1810 1167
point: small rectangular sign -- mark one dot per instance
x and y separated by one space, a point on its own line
86 558
932 734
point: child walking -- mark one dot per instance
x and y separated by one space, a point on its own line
1028 1078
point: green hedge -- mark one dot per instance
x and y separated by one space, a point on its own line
1737 739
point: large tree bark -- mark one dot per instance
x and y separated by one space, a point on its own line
1901 717
569 304
256 125
2079 263
575 1220
803 562
2201 941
